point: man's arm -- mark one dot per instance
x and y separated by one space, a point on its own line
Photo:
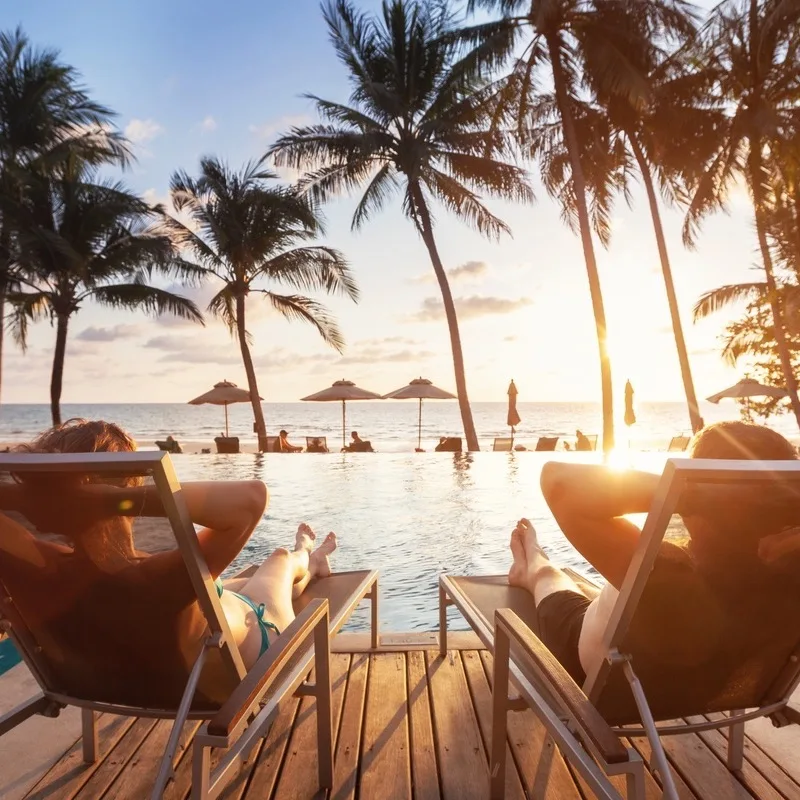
589 502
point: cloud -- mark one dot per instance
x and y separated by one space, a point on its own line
141 131
469 307
268 129
467 271
386 340
94 334
377 356
510 338
208 124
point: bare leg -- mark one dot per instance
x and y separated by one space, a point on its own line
542 577
318 564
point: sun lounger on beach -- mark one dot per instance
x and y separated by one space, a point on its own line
677 444
81 657
227 444
503 444
546 444
752 675
449 444
316 444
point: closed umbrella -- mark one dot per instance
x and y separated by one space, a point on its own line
630 415
224 393
747 388
419 389
513 418
344 391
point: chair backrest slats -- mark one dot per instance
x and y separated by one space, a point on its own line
546 443
503 444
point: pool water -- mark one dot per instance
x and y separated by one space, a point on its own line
411 516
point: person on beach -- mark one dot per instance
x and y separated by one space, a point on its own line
582 443
730 588
358 445
282 445
147 601
316 446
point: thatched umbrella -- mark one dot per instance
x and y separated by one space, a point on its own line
342 390
224 393
419 389
747 388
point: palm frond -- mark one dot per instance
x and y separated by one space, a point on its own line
308 310
312 269
26 307
151 300
723 296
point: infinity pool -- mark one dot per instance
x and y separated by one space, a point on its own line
412 516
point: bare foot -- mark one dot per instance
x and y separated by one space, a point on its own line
305 538
530 541
318 563
519 569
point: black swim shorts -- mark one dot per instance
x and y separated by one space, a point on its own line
560 621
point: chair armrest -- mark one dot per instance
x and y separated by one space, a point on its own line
264 672
561 683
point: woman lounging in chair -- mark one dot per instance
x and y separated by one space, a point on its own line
145 599
727 585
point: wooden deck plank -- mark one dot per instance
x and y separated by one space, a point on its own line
267 765
116 761
759 774
66 777
299 776
348 742
642 745
482 702
424 769
701 769
541 766
139 775
385 760
463 766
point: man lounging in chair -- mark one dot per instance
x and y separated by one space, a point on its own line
732 580
146 598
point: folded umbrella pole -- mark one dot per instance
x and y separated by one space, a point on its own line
513 419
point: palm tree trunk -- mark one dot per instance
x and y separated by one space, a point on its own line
672 300
57 377
579 184
779 327
426 231
252 385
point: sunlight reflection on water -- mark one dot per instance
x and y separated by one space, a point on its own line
412 516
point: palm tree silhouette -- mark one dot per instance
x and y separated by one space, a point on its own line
78 239
750 52
418 123
45 114
587 44
246 232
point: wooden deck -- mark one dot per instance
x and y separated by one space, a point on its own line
408 725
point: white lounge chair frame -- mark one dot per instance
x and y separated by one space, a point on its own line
566 710
248 712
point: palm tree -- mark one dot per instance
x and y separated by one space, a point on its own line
44 114
81 239
588 45
244 233
418 123
751 49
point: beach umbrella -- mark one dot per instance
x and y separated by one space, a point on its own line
747 388
344 391
630 416
419 389
513 418
224 393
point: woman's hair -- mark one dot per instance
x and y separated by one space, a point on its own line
85 436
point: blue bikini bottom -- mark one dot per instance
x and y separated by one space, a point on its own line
264 625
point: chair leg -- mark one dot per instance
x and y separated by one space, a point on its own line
736 744
634 782
497 764
201 771
89 735
442 621
375 638
322 670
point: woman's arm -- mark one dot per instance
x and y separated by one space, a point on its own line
588 502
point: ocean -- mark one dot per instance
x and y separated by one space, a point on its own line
390 425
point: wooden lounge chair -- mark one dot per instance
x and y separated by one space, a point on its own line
227 444
449 444
169 445
677 444
316 444
503 444
546 444
586 722
237 706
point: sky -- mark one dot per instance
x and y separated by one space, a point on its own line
189 78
